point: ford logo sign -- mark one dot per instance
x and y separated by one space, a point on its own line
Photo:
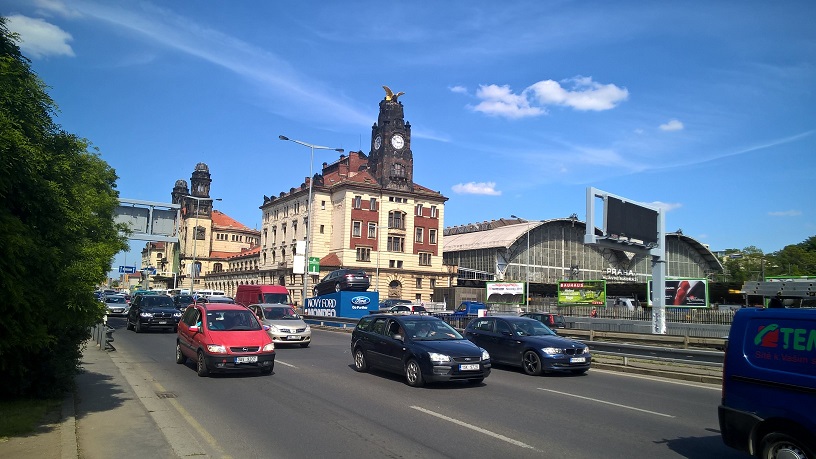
360 300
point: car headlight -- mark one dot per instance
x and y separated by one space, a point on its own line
177 314
439 358
551 350
269 347
273 328
586 350
485 355
308 328
217 348
146 314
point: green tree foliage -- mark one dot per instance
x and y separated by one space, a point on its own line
57 234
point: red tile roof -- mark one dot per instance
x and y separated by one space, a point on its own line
223 220
331 260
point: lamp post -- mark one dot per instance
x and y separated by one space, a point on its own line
308 228
527 270
195 234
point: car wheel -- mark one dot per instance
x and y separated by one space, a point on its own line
778 445
579 372
315 292
360 362
337 288
138 327
476 381
201 365
266 370
306 344
129 326
413 374
180 358
531 363
175 329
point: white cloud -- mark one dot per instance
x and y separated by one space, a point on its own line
485 188
672 125
786 213
39 38
458 89
666 206
581 94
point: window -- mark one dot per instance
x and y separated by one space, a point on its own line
396 244
322 205
199 233
372 230
419 282
418 236
363 254
433 283
297 207
424 259
397 170
356 229
433 212
395 263
358 202
396 219
432 236
372 204
419 210
321 228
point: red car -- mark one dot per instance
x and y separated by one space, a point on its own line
224 337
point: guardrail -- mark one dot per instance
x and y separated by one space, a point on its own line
102 334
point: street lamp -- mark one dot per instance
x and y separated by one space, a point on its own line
527 269
195 237
308 228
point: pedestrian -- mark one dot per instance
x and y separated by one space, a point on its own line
594 313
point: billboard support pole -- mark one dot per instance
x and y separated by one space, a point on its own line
659 277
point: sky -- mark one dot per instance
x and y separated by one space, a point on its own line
705 109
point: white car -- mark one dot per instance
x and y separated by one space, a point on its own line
116 305
285 325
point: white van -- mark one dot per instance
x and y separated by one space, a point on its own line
209 293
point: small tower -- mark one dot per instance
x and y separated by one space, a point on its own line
391 161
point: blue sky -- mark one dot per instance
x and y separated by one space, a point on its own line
705 108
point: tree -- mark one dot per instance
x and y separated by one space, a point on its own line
57 234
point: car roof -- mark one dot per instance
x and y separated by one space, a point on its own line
404 316
221 306
271 305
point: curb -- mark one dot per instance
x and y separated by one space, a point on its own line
705 379
69 448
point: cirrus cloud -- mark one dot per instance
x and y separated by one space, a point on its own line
39 38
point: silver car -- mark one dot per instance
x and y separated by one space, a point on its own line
116 305
285 325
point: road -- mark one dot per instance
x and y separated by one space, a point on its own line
315 404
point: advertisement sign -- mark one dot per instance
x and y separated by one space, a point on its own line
505 292
344 303
589 292
683 293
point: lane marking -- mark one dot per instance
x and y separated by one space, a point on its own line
608 403
477 429
284 363
699 385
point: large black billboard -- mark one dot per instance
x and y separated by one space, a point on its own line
632 221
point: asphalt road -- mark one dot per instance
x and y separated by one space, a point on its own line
315 404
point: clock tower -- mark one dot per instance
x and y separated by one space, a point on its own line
391 161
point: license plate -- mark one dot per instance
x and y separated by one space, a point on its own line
469 367
578 360
293 337
161 322
250 359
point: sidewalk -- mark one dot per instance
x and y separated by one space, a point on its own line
104 418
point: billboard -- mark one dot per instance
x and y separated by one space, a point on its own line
683 293
505 292
589 292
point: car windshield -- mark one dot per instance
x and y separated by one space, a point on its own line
279 298
280 314
430 330
232 321
157 301
530 328
115 299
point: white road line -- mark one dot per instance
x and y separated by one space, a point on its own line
477 429
284 363
698 385
608 403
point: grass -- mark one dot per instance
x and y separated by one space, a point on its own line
23 416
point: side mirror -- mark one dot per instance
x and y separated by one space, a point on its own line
398 337
194 329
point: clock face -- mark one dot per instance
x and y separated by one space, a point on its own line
397 141
377 143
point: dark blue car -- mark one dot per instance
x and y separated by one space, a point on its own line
528 343
423 348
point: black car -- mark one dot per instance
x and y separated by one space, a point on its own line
526 342
423 348
385 304
343 279
182 301
152 311
550 319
